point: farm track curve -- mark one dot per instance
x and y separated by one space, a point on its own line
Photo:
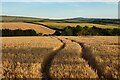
64 42
47 61
87 55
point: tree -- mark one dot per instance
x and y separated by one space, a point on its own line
57 33
68 31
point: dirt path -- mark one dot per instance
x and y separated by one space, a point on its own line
47 61
87 55
68 64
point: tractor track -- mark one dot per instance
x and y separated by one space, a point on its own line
88 57
48 60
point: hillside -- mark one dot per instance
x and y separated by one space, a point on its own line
49 26
68 20
63 25
25 26
18 19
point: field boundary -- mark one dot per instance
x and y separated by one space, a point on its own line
43 25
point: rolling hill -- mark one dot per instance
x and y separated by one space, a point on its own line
68 20
18 19
25 26
49 26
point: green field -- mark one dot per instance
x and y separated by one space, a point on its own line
66 27
63 25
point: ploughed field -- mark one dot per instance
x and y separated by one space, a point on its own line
60 57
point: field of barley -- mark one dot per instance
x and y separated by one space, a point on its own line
25 26
78 57
18 18
62 25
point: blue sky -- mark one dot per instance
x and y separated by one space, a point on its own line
61 9
60 0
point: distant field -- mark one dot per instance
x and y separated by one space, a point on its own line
18 19
24 26
62 25
61 57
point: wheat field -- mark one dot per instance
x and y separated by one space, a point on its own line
62 25
104 53
53 57
23 57
25 26
68 63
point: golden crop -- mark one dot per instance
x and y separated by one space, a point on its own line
54 24
104 52
23 56
24 26
68 57
68 63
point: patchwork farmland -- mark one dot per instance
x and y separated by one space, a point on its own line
49 56
60 57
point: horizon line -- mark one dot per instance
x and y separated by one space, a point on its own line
60 18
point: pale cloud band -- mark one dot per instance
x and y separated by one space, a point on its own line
60 0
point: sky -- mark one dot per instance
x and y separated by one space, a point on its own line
60 0
61 10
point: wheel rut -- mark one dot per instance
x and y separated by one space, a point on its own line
48 60
87 56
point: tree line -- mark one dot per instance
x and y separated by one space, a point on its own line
19 32
67 31
93 31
